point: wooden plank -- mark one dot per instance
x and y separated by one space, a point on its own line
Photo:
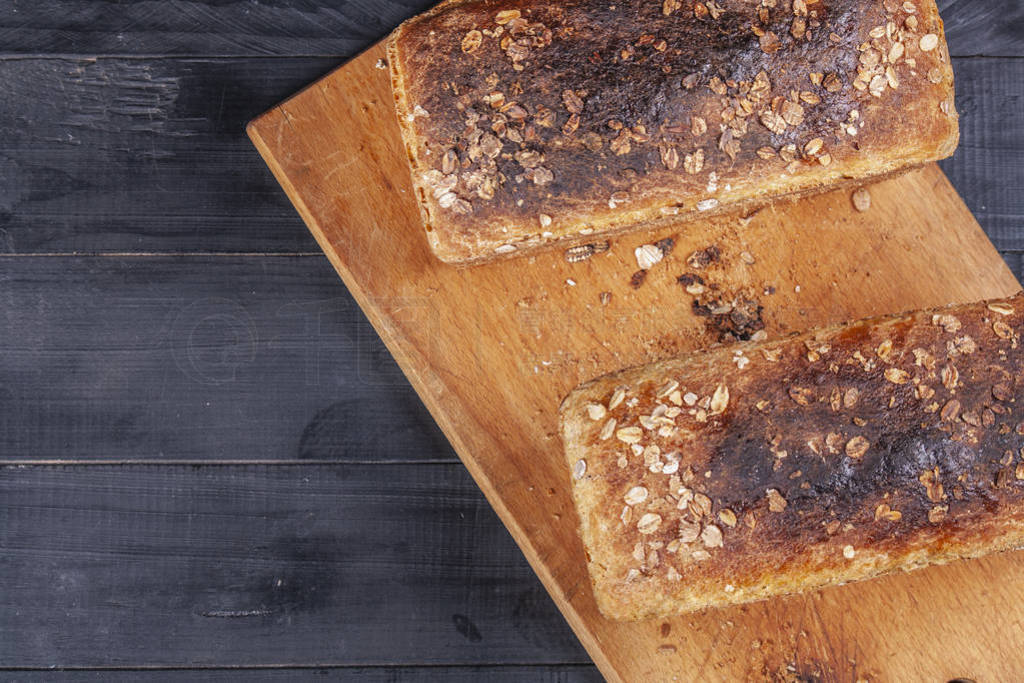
987 167
148 155
200 358
321 27
564 673
978 28
1015 262
202 27
142 155
178 566
498 346
197 358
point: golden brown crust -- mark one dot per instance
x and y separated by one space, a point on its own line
760 469
528 122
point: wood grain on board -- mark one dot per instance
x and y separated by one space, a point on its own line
492 350
264 565
201 359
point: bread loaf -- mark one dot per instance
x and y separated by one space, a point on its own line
759 469
529 122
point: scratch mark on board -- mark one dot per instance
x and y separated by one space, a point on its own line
235 613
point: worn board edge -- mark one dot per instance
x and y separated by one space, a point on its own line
258 131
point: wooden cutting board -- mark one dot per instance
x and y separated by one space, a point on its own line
493 349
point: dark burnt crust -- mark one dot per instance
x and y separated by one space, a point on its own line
901 450
614 61
935 482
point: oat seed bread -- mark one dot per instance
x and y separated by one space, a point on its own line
760 469
529 122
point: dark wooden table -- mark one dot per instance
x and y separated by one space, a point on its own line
211 467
